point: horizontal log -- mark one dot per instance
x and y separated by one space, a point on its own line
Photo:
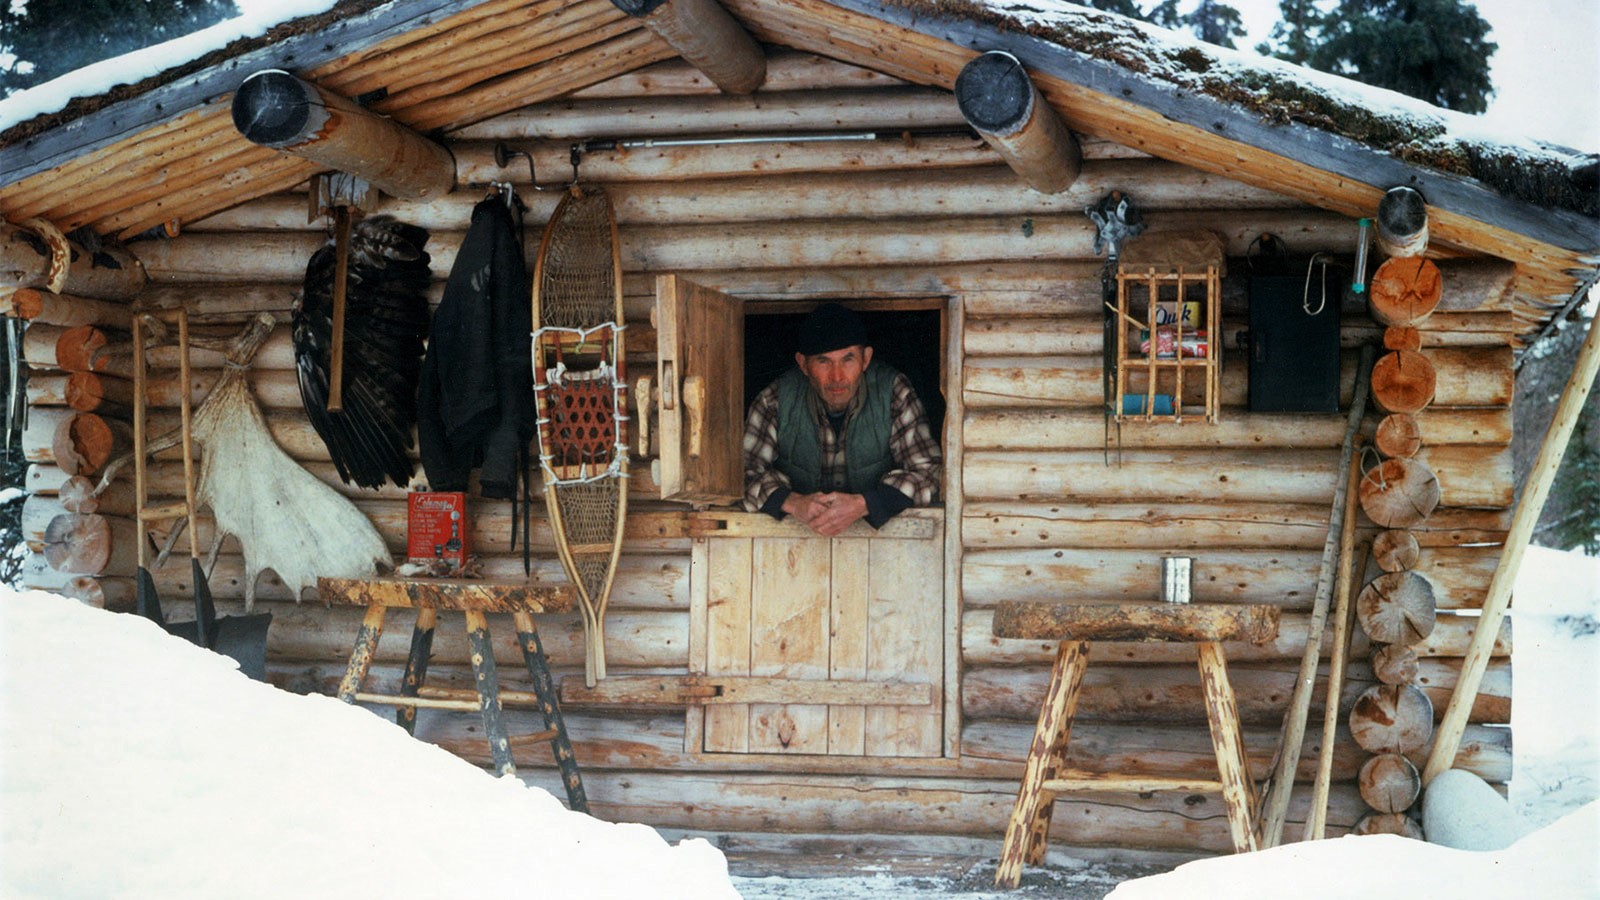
1068 428
979 647
985 190
1466 376
841 805
1285 577
66 310
787 70
892 109
281 256
1175 622
27 260
1173 694
1175 526
1466 477
1475 283
1187 752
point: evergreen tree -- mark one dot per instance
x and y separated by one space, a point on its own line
1434 50
1213 22
42 39
1578 485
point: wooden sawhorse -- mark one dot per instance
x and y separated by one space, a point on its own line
1045 775
474 598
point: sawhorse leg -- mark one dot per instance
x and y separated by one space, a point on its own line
1222 712
544 687
1028 829
416 666
361 657
487 681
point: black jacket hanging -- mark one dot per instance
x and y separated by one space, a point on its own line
475 407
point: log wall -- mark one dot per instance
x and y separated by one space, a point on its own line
1044 510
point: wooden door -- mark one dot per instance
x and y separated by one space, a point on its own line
700 374
836 644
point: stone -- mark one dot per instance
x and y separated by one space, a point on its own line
1461 810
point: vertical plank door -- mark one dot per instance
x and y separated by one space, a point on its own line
857 611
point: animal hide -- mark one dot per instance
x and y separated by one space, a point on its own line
386 320
286 519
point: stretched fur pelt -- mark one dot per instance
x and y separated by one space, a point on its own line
286 519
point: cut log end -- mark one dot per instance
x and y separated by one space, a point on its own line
1402 222
1398 608
1404 381
1399 436
1400 493
1389 823
1392 719
998 99
1396 551
1405 291
1389 783
1395 664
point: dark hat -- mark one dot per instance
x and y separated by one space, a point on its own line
830 327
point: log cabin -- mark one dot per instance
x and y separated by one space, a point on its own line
765 155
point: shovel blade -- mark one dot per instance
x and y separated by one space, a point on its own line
146 601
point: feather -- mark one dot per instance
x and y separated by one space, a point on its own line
386 321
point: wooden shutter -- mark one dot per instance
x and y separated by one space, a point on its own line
700 373
842 638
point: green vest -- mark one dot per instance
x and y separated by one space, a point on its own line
866 432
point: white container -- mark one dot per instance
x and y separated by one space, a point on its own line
1175 579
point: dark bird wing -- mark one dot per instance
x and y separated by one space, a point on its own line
386 321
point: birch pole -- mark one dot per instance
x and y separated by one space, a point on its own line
1448 737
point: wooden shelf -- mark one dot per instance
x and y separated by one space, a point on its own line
1179 308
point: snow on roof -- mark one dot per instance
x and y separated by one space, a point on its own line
103 77
1412 130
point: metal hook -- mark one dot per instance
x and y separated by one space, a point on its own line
503 154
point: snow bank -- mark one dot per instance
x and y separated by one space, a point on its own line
1555 863
133 764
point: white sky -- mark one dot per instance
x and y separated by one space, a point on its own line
1546 72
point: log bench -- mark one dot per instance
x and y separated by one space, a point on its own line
1046 774
474 598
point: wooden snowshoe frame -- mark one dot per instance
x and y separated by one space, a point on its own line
579 391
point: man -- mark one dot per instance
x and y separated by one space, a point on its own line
838 438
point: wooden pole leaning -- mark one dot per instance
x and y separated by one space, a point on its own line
1275 803
1447 738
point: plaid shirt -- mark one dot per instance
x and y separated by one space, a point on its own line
917 460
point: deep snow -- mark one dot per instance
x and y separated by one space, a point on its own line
135 765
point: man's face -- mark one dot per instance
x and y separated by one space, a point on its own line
836 376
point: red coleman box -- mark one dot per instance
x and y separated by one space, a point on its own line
436 528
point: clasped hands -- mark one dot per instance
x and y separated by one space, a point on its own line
827 514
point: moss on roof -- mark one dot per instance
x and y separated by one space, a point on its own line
1545 176
79 107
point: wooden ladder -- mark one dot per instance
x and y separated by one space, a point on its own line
1046 774
474 599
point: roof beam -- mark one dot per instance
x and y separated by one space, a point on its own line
999 100
277 110
1369 171
124 119
707 37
